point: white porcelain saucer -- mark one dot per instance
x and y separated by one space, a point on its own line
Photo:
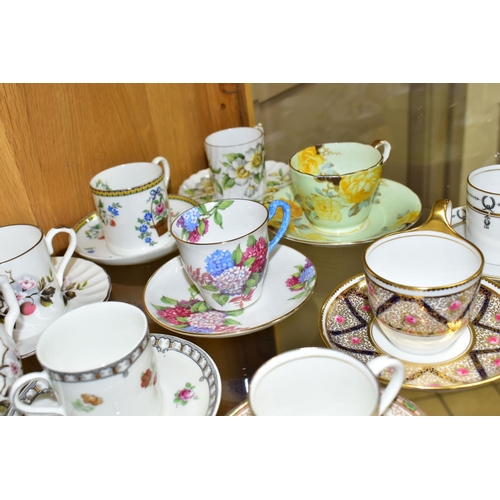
91 243
199 186
401 407
189 379
169 295
84 283
395 207
458 217
473 360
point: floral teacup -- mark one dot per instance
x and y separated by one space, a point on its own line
224 246
337 183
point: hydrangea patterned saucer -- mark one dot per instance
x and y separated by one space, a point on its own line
401 407
84 283
189 379
458 216
91 243
346 324
172 301
199 186
395 207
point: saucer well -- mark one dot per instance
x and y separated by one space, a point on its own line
395 207
199 186
401 407
189 379
171 300
458 217
91 243
474 359
84 283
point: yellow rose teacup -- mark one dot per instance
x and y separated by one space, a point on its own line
337 182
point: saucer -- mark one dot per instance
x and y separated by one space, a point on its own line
400 407
181 365
84 283
171 300
344 325
91 243
395 207
199 186
458 216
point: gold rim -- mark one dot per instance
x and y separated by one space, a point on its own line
128 191
29 249
483 212
494 167
235 145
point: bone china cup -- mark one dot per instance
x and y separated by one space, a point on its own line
132 203
319 381
225 248
482 224
98 360
25 261
337 182
422 283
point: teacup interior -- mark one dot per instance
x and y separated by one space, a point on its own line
233 137
486 180
126 176
340 157
423 259
18 239
237 218
91 337
315 386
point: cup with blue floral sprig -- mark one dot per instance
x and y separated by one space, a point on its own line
225 249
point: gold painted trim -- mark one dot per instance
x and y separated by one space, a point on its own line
482 212
129 191
481 189
32 247
235 145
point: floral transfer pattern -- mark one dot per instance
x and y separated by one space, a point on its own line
154 217
87 403
184 396
109 214
194 315
149 377
302 281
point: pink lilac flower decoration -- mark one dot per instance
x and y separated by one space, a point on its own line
410 319
462 371
493 340
497 317
355 340
27 283
171 314
497 362
370 289
365 307
455 305
339 319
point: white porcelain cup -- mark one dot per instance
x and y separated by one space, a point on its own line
11 367
482 226
237 162
319 381
98 360
25 261
132 203
422 283
224 246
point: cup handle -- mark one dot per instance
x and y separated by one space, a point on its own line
69 251
166 168
386 149
377 366
284 222
19 405
14 309
260 127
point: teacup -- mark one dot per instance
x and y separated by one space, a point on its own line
422 283
224 246
237 162
132 203
98 360
11 367
25 260
320 381
337 182
482 225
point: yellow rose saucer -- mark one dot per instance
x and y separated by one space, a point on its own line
395 207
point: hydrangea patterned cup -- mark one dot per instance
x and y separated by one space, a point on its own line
482 224
337 182
25 261
422 283
237 162
132 203
98 360
11 367
224 247
319 381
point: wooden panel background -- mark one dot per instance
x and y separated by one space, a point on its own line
55 137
